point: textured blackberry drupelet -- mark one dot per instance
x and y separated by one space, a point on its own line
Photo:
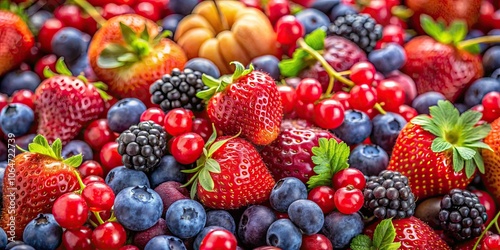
462 216
142 146
358 28
178 90
388 195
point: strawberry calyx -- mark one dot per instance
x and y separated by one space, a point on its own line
329 158
17 9
40 145
218 85
206 165
383 238
136 47
456 134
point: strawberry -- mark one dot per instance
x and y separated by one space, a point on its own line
230 174
129 53
492 161
64 104
441 151
441 63
16 40
33 180
248 102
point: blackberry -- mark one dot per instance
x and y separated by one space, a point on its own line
178 90
462 216
361 29
388 195
142 146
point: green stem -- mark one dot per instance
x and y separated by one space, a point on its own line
195 176
494 221
92 224
483 39
98 217
91 11
80 182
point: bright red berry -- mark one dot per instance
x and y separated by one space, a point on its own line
323 196
202 127
97 134
45 61
309 90
289 29
99 196
77 239
25 97
178 121
70 211
407 112
363 97
491 242
349 176
92 178
110 158
275 9
288 97
328 114
343 98
111 10
110 235
393 34
70 16
391 94
90 167
491 100
219 239
4 100
363 73
348 200
316 242
305 110
148 10
47 32
153 114
187 148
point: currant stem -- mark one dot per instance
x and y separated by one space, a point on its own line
91 11
474 41
98 217
494 221
80 182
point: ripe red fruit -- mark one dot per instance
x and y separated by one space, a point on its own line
70 16
92 178
391 94
25 97
407 112
363 97
305 110
90 167
323 196
288 98
343 98
316 242
74 239
97 134
70 211
99 196
203 127
491 100
187 148
349 176
348 199
309 90
488 203
289 29
153 114
148 10
328 114
362 73
219 239
178 121
47 32
491 242
110 235
275 9
110 158
47 60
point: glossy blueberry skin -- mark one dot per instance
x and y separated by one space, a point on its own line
168 170
171 22
496 74
253 225
369 159
284 234
3 238
479 88
491 59
43 233
68 43
267 64
341 10
75 147
325 6
165 242
423 102
79 65
20 246
204 66
183 7
307 216
221 218
138 208
341 228
356 127
390 58
38 19
17 80
199 238
185 218
312 19
121 177
16 118
125 113
286 191
386 129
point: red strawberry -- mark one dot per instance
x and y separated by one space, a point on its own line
16 41
33 180
248 102
440 152
65 103
440 63
231 174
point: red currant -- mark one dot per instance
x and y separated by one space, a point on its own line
323 196
348 200
309 90
391 94
90 168
153 114
407 112
316 242
491 115
288 97
110 158
92 178
349 176
363 73
393 34
111 10
343 98
90 24
305 110
77 239
178 121
129 247
491 242
219 239
70 211
491 100
45 61
110 235
379 11
202 127
99 196
24 96
187 148
148 11
97 134
276 9
486 19
70 16
328 114
4 100
488 203
289 29
363 97
47 32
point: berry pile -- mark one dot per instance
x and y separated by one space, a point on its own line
259 125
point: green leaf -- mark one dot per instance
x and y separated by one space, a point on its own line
430 26
212 137
469 118
384 234
293 66
316 39
427 124
109 56
128 34
240 70
163 34
57 148
477 133
145 34
206 94
477 144
74 161
206 180
61 68
128 57
440 145
458 162
212 166
194 187
473 49
466 153
392 246
329 158
469 168
210 81
458 30
445 37
39 149
478 160
39 139
361 242
48 73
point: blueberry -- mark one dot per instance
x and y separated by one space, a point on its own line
165 242
369 159
341 228
307 216
312 19
494 32
170 22
391 57
268 64
491 59
183 7
21 247
283 234
168 170
17 80
125 113
68 43
253 225
199 238
424 101
13 244
325 6
341 10
185 218
80 65
121 177
496 74
43 233
37 20
3 239
23 142
221 218
386 129
354 120
138 208
286 191
204 66
3 151
16 118
478 89
75 147
461 107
